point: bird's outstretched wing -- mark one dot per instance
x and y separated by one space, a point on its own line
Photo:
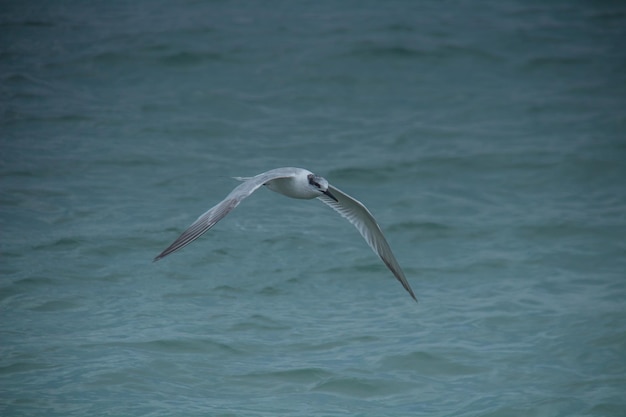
357 214
219 211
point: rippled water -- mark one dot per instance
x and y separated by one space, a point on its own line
488 141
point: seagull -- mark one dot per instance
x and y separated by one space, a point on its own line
302 184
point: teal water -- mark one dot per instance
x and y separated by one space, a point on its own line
488 141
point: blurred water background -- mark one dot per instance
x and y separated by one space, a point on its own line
487 138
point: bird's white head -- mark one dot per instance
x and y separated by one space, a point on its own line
320 184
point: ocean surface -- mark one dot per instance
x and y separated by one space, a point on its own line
487 138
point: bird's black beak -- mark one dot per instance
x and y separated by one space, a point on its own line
328 193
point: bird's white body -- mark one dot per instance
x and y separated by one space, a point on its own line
302 184
296 186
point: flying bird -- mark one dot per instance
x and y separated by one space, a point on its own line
302 184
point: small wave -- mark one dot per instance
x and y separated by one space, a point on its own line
295 376
426 364
360 387
176 346
184 59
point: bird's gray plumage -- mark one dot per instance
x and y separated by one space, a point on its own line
298 183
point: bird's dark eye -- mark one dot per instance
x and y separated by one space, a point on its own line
312 181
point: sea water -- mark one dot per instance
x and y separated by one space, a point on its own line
488 139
